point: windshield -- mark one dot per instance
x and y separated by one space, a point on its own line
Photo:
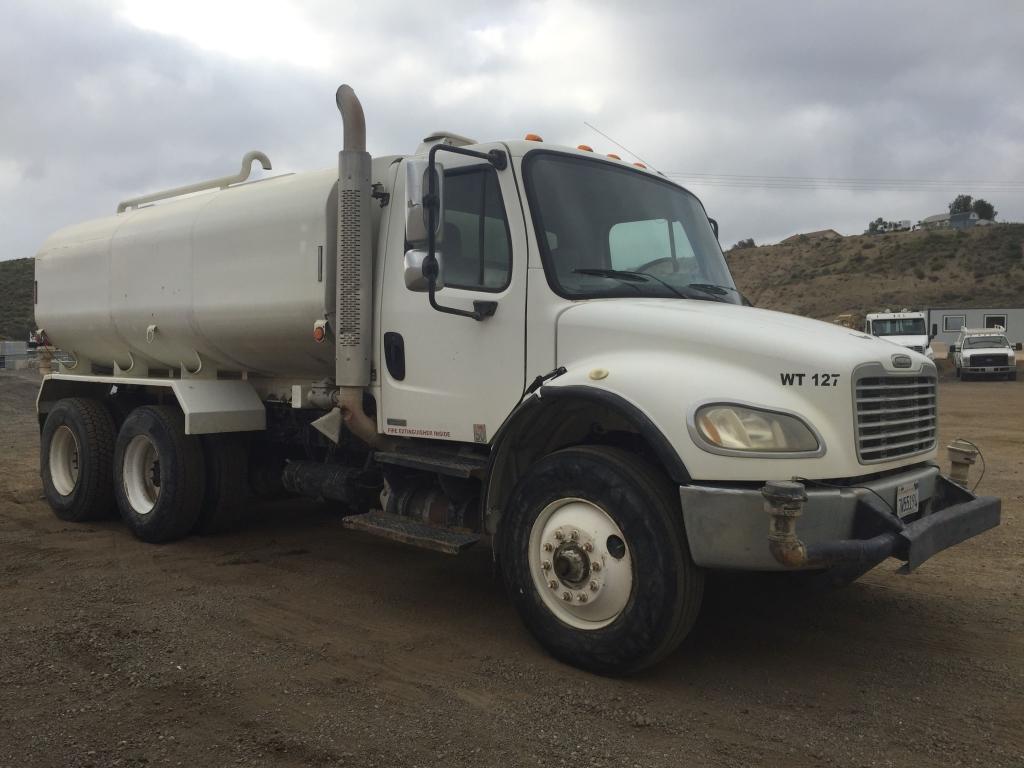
606 230
985 342
904 326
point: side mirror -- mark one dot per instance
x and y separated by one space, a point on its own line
714 227
416 213
414 277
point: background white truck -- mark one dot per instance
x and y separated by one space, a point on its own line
534 345
906 328
984 352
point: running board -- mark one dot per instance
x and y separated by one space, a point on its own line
412 532
439 460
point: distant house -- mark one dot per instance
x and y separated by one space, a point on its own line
938 221
964 220
821 234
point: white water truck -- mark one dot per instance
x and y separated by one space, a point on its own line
534 346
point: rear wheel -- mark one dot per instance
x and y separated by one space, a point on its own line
227 483
159 474
76 450
596 561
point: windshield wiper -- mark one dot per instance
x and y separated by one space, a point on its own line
629 277
717 290
634 277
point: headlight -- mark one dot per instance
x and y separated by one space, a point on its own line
730 427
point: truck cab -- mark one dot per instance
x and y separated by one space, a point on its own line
984 352
528 346
908 329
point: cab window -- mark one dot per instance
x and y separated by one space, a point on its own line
476 247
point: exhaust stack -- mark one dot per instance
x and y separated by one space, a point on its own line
354 275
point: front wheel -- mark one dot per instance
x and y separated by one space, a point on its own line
595 559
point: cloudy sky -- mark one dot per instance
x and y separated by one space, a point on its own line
105 99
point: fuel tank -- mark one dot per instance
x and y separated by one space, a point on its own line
232 280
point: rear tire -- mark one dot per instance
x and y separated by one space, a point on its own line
227 483
159 474
76 449
627 601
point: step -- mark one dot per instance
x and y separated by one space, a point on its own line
444 462
411 532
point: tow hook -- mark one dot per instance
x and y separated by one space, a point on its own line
784 503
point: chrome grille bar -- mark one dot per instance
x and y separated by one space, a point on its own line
896 416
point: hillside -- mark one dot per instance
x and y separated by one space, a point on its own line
16 278
982 267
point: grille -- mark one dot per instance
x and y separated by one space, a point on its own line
896 416
977 361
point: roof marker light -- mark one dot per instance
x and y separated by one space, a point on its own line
614 157
639 165
585 148
532 137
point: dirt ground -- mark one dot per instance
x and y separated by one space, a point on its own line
295 642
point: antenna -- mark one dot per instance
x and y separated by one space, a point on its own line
625 149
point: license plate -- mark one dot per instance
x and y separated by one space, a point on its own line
906 499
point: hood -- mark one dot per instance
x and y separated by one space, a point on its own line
908 341
994 350
669 356
716 329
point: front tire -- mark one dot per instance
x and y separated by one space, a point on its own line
76 451
159 474
596 561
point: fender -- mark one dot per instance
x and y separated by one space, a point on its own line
209 405
498 481
648 429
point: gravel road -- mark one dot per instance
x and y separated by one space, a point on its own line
297 643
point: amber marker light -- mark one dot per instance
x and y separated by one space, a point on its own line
585 148
614 157
640 165
533 137
319 333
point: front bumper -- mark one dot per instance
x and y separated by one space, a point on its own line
727 527
989 369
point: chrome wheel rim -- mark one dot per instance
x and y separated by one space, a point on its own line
141 474
64 460
580 563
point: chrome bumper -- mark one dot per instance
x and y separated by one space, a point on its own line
727 527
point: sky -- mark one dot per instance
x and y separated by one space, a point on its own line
106 99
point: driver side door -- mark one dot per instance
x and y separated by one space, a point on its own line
459 377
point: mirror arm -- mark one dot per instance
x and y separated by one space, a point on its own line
497 158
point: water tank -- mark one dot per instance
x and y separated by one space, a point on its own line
232 279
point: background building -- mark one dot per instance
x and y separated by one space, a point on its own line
944 323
